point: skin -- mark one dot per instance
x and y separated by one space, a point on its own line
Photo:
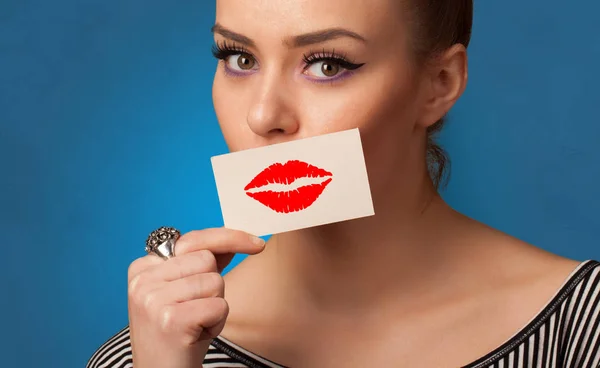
418 284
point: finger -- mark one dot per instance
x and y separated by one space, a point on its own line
219 241
195 318
185 265
141 264
204 285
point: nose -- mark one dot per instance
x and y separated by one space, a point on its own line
272 114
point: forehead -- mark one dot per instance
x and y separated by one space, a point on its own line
275 19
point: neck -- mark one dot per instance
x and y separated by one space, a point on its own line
356 263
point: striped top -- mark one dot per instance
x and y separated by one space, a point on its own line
564 334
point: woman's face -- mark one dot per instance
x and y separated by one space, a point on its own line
293 69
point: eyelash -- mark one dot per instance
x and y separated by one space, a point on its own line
330 56
224 50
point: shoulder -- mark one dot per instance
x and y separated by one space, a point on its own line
113 353
578 316
116 353
579 297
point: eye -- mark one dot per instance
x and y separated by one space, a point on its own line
327 65
241 62
324 69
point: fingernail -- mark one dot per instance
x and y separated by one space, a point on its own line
257 241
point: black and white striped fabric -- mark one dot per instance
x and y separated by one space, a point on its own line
566 333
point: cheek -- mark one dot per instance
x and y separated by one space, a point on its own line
382 105
230 109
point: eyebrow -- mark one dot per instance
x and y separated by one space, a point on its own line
217 28
295 41
322 36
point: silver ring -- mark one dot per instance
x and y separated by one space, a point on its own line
162 242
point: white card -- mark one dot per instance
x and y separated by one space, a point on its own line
294 185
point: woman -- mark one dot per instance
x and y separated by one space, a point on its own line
416 285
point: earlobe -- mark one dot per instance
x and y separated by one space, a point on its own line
448 80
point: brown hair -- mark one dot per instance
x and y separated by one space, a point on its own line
438 25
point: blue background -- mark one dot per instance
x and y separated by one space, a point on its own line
107 127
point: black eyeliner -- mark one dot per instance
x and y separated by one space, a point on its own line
330 56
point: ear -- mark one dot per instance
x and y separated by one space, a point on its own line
446 81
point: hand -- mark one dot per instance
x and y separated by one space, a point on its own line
177 306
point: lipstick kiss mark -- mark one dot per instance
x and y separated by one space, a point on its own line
285 175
